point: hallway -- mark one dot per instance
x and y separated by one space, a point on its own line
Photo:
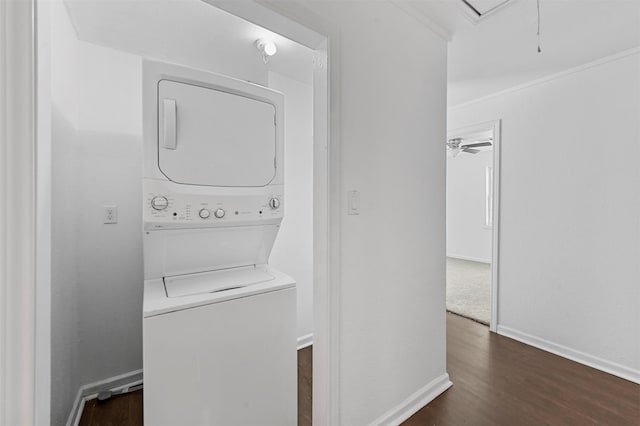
499 381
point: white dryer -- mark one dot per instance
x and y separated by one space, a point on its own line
219 324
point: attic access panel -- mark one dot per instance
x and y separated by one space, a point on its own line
484 7
214 138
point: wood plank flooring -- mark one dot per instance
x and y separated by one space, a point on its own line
305 385
119 410
497 381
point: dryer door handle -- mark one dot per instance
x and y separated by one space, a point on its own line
169 128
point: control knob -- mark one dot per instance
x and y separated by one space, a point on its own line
204 213
274 203
219 213
159 202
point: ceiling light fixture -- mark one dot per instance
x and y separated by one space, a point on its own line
267 48
453 147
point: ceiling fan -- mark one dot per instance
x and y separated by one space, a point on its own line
455 146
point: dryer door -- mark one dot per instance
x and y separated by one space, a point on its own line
211 137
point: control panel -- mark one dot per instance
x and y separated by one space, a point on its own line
166 210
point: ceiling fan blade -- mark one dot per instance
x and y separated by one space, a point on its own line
476 145
470 150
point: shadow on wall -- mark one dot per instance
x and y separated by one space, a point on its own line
64 282
97 268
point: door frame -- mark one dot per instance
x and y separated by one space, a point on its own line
496 127
33 161
296 22
25 227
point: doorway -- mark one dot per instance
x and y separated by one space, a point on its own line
473 170
83 134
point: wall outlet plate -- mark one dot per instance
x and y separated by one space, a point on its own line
110 214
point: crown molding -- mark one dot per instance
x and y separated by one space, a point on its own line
545 79
412 11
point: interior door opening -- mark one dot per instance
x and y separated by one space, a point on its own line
472 222
97 157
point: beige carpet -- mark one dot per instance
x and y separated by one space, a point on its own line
469 289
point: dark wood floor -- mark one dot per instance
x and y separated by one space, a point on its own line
119 410
305 385
497 381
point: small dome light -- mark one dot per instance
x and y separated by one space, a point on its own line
267 48
270 48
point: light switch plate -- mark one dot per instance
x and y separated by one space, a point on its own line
353 202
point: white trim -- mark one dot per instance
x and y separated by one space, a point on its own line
548 78
418 15
76 409
610 367
305 341
469 258
415 402
496 127
488 188
495 230
90 391
43 191
18 327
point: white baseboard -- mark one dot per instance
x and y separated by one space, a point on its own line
415 402
473 259
305 341
622 371
90 391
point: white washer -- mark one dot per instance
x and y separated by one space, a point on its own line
219 324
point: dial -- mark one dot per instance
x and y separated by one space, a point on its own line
274 203
159 202
204 213
219 213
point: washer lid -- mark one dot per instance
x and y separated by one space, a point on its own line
156 302
215 138
214 281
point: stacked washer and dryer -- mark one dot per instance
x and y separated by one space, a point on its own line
219 324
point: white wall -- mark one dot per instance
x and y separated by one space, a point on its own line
97 268
570 234
64 311
108 171
467 236
388 102
293 249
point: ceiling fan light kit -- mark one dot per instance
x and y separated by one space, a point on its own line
455 146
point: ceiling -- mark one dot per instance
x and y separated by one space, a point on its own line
188 32
486 54
500 50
